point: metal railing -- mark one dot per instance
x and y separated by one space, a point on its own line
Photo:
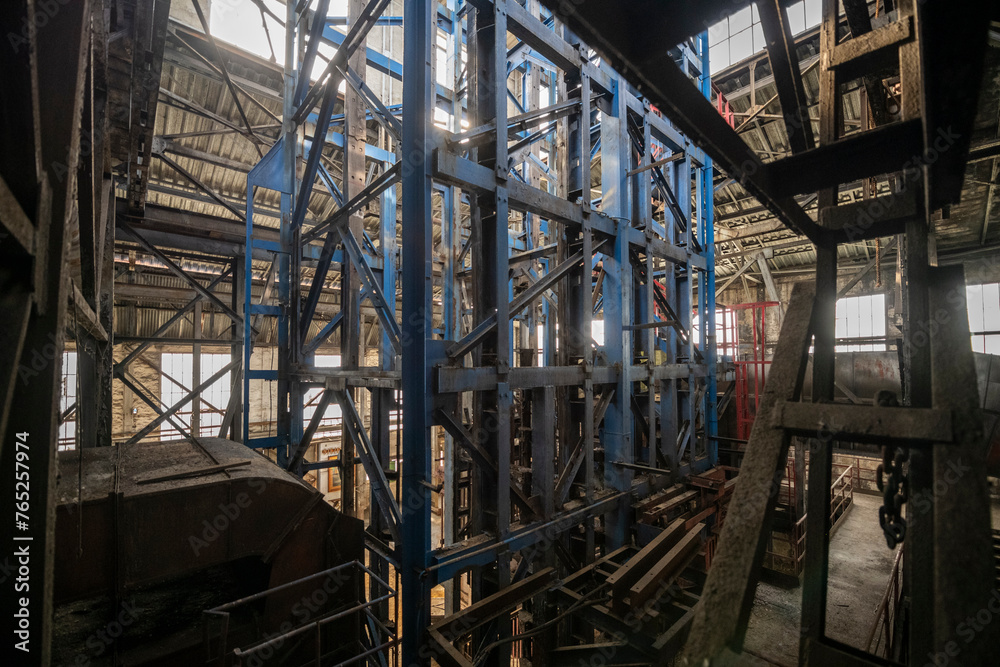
882 633
841 497
219 652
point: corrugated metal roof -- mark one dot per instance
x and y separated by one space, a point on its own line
736 209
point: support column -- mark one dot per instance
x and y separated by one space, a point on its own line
355 138
196 373
97 230
417 325
59 60
618 446
817 557
235 410
383 400
490 262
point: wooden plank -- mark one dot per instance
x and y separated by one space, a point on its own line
584 571
726 490
710 479
865 423
448 655
667 569
14 220
663 508
658 498
463 622
196 472
86 317
637 565
872 46
731 583
699 517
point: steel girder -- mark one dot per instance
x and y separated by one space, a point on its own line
922 40
428 292
621 31
46 193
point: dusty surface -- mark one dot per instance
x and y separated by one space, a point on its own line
860 565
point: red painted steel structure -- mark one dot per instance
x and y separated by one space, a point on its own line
751 366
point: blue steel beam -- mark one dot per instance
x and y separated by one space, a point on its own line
315 153
312 47
377 61
618 304
417 277
354 39
371 284
708 243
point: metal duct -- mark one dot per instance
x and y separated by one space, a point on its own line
175 528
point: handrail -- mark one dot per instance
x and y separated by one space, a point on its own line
839 490
884 620
849 469
223 613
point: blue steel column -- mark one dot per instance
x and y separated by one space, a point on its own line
669 409
417 240
617 310
492 296
384 399
706 335
289 244
708 222
685 307
451 246
642 216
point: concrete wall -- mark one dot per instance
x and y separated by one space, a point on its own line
183 11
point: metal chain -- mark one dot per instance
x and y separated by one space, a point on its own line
892 482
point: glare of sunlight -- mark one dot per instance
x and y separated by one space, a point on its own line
240 23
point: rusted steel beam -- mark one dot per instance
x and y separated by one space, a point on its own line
638 565
864 423
732 581
480 613
667 568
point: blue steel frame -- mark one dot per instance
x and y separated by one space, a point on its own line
527 259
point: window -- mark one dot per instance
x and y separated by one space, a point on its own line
740 35
177 371
239 23
984 317
177 380
215 398
863 318
545 96
441 74
597 332
67 397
